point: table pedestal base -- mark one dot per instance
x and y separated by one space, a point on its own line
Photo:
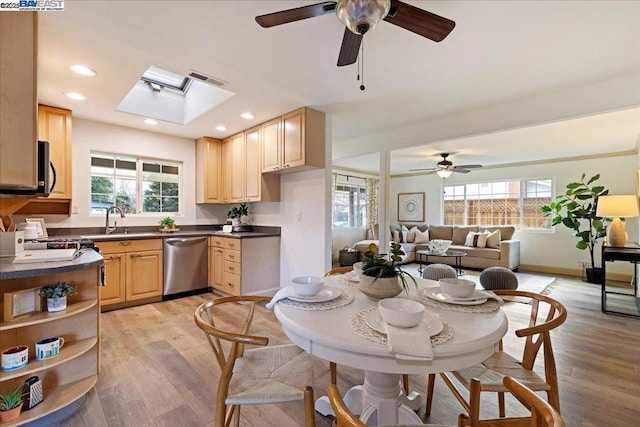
380 401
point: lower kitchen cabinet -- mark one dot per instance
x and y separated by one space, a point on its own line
69 376
244 266
133 272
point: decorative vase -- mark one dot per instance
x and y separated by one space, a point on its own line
56 304
11 414
376 289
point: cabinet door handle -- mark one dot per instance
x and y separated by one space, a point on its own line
231 257
125 242
135 255
219 251
275 168
231 268
231 285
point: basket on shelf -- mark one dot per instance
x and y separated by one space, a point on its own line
348 256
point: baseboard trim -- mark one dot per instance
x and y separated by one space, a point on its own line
575 272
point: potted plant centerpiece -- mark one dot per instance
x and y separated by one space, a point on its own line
382 275
576 209
57 294
167 223
11 405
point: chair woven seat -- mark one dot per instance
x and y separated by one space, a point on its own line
270 375
492 371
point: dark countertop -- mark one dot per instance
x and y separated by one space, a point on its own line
87 258
137 233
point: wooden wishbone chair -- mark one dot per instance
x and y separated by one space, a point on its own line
270 374
491 372
338 270
542 414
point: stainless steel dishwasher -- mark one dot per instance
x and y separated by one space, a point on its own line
185 264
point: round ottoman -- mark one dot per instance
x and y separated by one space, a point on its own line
498 278
438 271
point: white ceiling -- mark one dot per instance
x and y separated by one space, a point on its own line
515 81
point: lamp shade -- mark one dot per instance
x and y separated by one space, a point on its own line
619 206
443 173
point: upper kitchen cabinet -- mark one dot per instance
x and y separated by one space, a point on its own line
294 141
209 171
54 125
258 187
18 100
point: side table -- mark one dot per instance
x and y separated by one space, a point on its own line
631 253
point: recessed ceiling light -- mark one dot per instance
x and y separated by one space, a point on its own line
75 95
247 116
150 122
85 71
221 128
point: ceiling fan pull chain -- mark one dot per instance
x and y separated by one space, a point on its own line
362 54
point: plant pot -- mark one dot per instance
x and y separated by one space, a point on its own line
387 287
56 304
594 275
11 414
235 222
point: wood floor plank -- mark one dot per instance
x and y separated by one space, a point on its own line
158 368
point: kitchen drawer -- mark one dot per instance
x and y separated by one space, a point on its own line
230 284
233 244
130 246
216 241
233 256
231 267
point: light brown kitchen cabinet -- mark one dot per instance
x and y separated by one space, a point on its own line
226 171
69 376
209 170
294 141
133 271
54 125
244 266
237 167
18 99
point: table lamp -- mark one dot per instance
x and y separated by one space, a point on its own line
616 207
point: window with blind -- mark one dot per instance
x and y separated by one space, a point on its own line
137 185
349 202
514 203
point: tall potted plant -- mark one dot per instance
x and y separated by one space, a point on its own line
576 209
382 276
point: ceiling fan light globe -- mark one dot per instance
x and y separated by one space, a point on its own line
360 16
444 173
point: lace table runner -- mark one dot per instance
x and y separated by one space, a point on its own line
360 327
487 307
345 298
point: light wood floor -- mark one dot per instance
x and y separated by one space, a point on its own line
157 368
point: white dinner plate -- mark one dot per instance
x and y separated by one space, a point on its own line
429 322
327 293
435 293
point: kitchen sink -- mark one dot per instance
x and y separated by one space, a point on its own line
118 236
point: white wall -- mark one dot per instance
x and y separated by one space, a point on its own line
89 135
555 249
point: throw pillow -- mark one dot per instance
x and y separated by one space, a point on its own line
469 240
422 237
493 239
411 237
396 236
476 240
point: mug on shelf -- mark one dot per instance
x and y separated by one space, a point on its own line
15 357
48 347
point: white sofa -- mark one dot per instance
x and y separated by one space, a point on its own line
506 254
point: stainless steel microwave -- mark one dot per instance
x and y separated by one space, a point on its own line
46 180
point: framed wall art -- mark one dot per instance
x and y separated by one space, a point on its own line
21 303
40 226
411 207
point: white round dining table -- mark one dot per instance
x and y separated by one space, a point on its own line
328 334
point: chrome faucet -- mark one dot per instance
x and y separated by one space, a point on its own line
109 230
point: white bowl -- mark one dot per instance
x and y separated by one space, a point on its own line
457 288
401 312
357 268
306 286
439 245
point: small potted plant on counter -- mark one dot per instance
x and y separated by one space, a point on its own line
238 215
167 223
382 276
57 294
11 405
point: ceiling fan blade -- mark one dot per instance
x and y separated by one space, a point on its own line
467 166
458 170
297 14
349 49
419 21
430 170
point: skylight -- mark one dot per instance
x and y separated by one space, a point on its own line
165 79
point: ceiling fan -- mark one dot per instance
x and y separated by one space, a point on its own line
445 168
360 16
